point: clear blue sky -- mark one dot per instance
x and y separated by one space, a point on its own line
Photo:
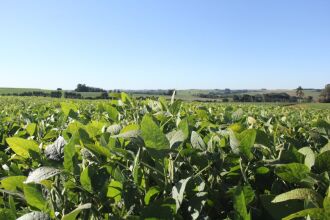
181 44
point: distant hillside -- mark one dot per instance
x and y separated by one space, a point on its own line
189 94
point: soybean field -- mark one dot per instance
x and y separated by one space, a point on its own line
162 159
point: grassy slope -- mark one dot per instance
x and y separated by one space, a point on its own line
20 90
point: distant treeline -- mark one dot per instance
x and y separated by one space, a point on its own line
167 92
267 97
84 88
53 94
58 94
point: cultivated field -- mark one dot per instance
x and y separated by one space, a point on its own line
162 159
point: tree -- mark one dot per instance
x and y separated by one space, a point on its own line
236 98
170 92
56 94
300 92
104 95
325 94
227 91
309 99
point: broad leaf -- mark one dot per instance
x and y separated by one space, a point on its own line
114 190
151 192
35 216
178 192
322 162
309 156
70 157
12 183
22 146
152 135
293 172
85 180
31 128
197 142
239 201
41 174
247 139
314 213
55 151
300 194
112 112
177 137
34 197
73 215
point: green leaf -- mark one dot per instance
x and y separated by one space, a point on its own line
34 198
322 162
114 190
326 203
184 127
114 129
112 112
51 134
309 156
96 148
262 170
42 173
31 128
248 194
175 107
12 204
55 151
73 215
35 216
293 172
234 142
197 142
300 194
6 214
151 192
152 135
94 128
70 157
277 211
12 183
160 209
136 168
247 139
263 138
176 137
325 148
128 134
172 98
68 108
314 213
178 192
22 146
239 201
126 99
85 180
